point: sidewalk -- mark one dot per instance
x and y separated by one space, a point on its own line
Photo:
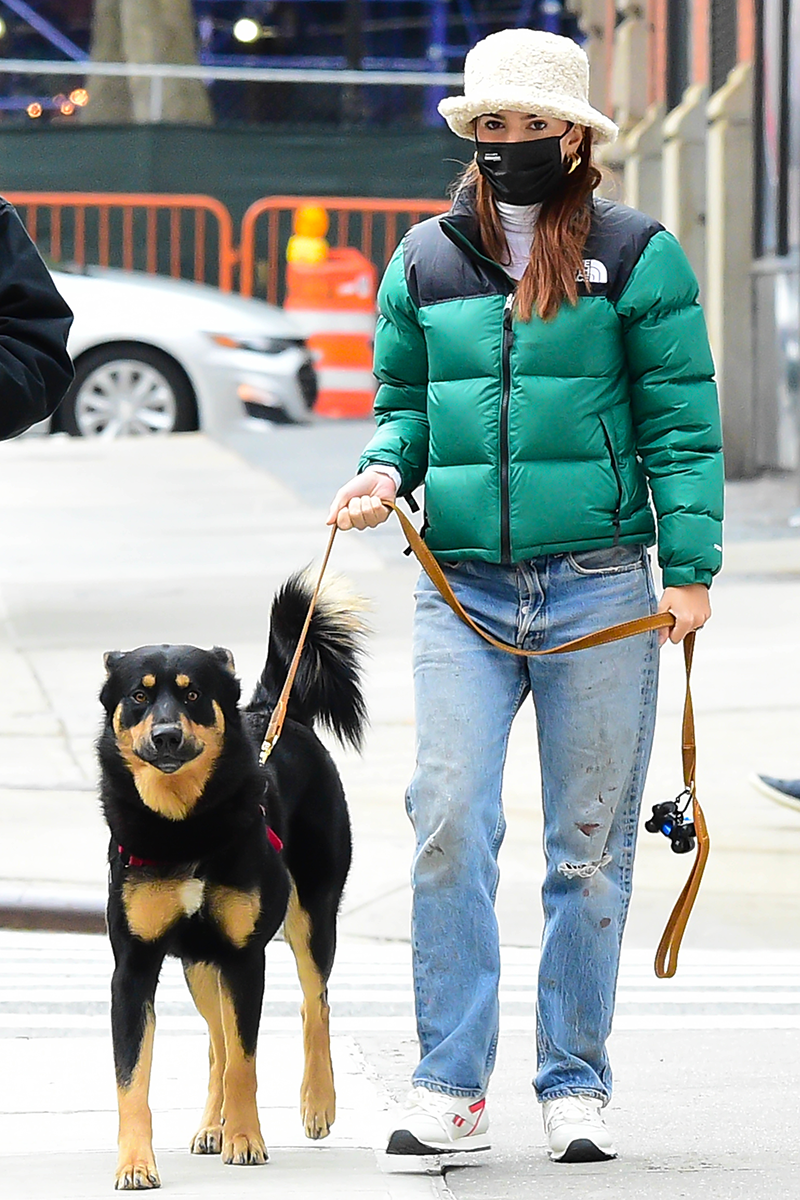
116 545
59 1105
111 546
718 1131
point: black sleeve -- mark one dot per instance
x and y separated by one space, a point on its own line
35 368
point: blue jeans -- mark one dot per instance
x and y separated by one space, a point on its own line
595 713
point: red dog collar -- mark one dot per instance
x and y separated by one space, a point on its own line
133 860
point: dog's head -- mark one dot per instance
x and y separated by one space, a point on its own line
166 707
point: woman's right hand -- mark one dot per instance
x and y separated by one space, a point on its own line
359 504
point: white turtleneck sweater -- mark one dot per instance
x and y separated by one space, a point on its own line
519 222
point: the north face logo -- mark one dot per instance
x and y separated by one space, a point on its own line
594 271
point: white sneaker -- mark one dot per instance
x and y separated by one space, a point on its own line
576 1131
433 1123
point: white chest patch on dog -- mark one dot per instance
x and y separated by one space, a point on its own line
191 895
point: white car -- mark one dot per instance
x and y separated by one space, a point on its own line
158 355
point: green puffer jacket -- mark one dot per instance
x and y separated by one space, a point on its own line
541 437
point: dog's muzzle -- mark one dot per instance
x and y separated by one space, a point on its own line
167 749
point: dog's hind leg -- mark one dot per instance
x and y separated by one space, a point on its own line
312 938
241 994
203 981
133 1027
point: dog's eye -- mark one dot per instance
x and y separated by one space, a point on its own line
192 695
139 697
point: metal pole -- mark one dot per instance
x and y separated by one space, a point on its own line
46 29
156 98
437 44
352 100
339 76
551 12
524 14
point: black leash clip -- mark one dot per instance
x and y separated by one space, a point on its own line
669 818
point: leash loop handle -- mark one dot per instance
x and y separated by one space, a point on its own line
666 960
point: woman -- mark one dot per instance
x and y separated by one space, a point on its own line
545 371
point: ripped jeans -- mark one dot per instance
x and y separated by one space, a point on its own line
595 713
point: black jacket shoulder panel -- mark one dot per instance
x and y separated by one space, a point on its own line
35 368
617 237
443 257
442 263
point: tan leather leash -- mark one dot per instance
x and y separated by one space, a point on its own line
666 961
278 717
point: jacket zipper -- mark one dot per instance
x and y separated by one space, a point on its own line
617 476
508 341
505 507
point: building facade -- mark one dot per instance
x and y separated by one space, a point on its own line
707 96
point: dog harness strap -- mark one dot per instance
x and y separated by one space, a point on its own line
131 860
272 836
666 961
278 717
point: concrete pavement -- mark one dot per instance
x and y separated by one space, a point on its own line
110 546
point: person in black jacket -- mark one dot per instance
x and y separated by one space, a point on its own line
35 368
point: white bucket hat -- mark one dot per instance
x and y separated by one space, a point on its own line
530 71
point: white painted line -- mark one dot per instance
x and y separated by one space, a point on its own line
364 999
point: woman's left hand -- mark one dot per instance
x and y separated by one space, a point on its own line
690 607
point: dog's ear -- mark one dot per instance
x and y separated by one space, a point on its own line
112 659
225 657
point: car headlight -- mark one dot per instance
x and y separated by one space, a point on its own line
260 343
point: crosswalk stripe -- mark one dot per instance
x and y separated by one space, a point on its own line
343 996
55 985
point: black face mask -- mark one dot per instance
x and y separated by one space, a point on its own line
521 172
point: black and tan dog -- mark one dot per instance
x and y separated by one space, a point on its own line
210 852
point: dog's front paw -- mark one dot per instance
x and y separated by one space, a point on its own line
207 1140
317 1117
138 1173
244 1149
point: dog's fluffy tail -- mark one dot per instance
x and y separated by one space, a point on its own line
327 687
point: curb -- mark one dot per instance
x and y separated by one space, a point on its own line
53 908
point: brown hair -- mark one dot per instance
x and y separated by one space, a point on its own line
562 227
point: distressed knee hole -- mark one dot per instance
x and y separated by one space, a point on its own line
583 870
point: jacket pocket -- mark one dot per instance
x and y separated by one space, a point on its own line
612 454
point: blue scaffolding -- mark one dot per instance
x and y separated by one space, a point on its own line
393 35
445 29
434 21
386 35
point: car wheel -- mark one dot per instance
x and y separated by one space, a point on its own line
125 390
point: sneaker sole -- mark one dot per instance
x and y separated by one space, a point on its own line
403 1141
773 794
582 1150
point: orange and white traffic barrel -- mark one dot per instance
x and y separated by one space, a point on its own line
331 294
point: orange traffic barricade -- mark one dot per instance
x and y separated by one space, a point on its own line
331 295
